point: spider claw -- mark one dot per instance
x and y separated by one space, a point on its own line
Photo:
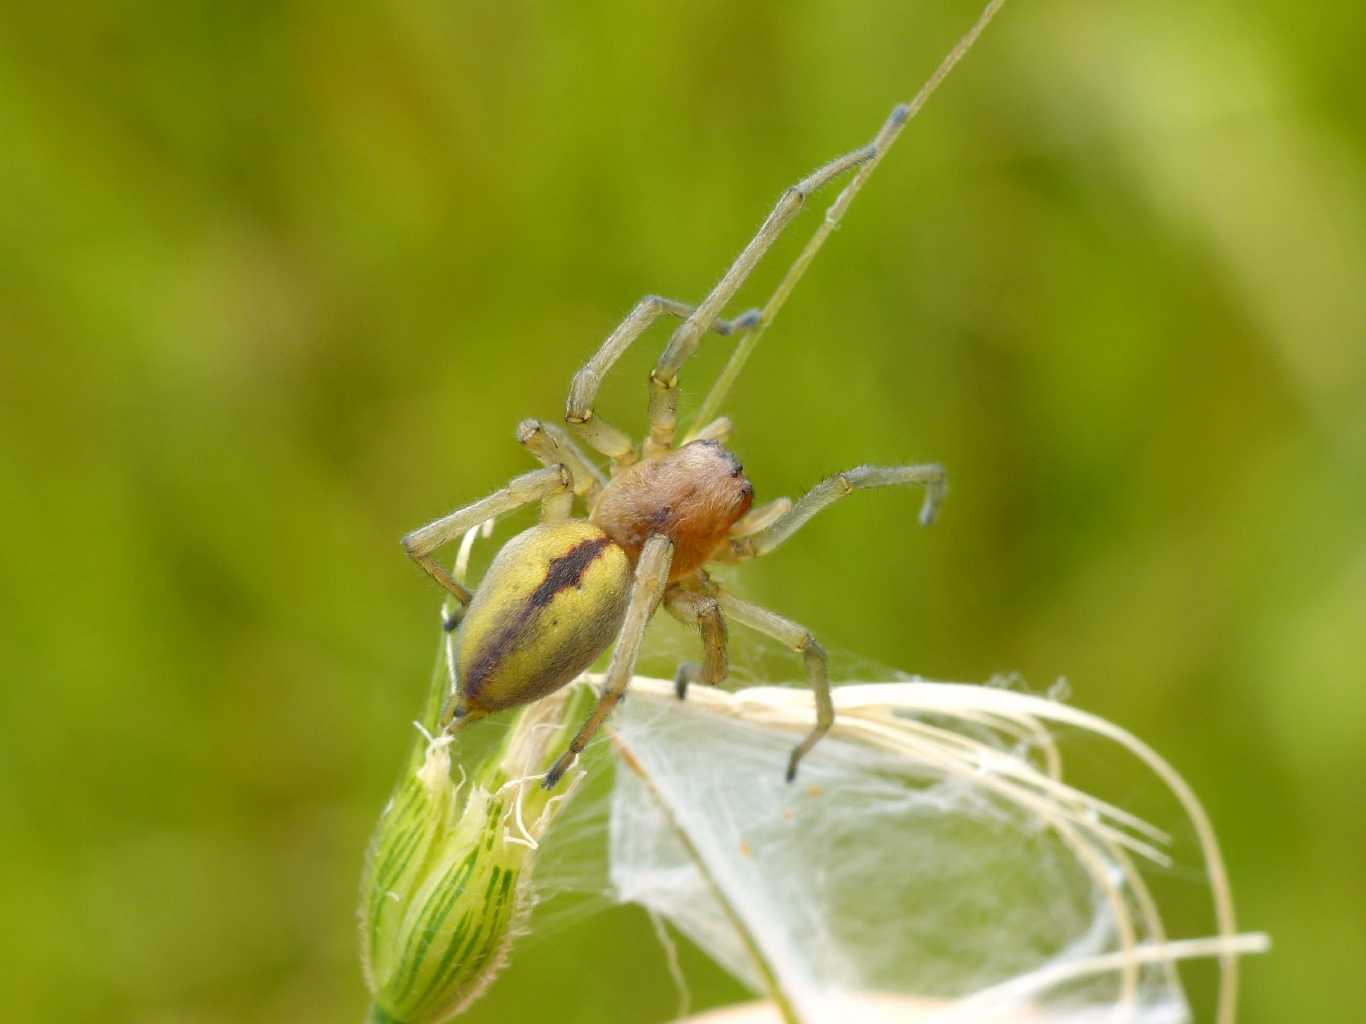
552 777
934 496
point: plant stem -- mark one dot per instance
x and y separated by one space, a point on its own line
885 137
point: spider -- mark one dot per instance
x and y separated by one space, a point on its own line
558 594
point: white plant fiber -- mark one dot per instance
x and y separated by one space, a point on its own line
930 863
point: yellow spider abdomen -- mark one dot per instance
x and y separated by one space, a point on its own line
550 603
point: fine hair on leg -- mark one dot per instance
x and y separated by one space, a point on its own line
831 489
891 129
583 390
663 406
704 612
422 543
799 638
765 515
552 446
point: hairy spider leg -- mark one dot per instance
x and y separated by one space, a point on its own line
549 443
800 639
663 405
758 518
583 389
718 429
831 489
703 611
891 128
647 588
544 485
740 354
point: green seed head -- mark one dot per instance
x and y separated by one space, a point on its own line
446 879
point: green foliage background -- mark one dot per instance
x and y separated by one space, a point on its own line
278 280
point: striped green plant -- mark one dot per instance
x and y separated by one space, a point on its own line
446 881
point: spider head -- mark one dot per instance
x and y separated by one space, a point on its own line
692 495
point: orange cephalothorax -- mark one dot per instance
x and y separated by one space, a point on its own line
692 495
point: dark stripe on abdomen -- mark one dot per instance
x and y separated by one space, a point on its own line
563 572
567 571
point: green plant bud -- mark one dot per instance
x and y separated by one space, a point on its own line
446 880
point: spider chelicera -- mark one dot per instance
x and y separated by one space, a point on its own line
557 595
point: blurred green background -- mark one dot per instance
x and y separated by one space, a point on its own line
277 281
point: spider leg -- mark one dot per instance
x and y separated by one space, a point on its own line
718 429
578 412
799 638
831 489
685 339
539 485
891 129
651 579
757 519
549 443
704 612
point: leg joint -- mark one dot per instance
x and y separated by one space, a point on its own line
709 610
579 406
529 432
